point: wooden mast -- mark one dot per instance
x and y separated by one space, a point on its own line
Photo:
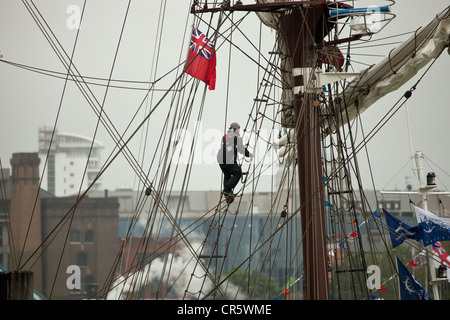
301 30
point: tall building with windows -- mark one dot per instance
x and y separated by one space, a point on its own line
69 161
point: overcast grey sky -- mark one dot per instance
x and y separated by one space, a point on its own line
30 100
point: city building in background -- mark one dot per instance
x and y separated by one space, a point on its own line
64 162
47 234
120 226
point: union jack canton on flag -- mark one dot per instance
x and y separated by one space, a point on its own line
200 44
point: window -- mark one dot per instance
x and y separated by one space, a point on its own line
75 236
407 214
175 201
91 287
393 205
82 259
89 236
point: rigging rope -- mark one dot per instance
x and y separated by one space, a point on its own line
164 167
93 139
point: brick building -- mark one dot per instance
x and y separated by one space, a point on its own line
47 234
25 215
86 234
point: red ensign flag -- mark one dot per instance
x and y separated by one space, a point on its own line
201 61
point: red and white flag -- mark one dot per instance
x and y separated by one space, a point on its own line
201 61
443 255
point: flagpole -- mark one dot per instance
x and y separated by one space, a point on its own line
424 191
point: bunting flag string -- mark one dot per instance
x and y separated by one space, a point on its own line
288 285
350 237
353 234
415 261
382 287
375 213
414 264
286 292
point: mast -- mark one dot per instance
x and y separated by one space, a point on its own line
424 187
300 30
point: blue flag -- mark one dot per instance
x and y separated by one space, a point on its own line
400 231
431 227
410 289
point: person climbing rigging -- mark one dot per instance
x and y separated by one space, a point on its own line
227 158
